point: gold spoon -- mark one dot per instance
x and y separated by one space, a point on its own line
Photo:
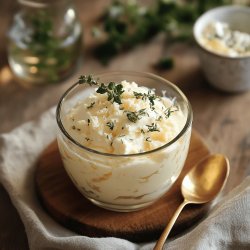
201 184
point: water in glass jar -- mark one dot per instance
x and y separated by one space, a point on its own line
37 54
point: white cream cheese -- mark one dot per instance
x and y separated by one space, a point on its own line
220 38
124 183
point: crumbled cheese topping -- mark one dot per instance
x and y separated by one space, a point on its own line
220 38
137 125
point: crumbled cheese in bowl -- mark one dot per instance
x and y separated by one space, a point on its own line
137 125
219 37
119 124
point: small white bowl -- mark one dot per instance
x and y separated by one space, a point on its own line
224 72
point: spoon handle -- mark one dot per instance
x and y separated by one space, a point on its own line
165 233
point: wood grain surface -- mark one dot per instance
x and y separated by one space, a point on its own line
68 206
221 118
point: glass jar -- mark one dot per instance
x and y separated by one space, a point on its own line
124 182
44 41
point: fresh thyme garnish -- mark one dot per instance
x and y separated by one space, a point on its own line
91 105
159 118
111 125
170 110
87 139
135 116
153 127
87 79
138 95
114 92
148 139
112 89
150 96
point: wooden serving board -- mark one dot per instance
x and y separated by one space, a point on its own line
67 205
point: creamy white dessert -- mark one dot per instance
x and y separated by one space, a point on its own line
220 38
135 126
139 122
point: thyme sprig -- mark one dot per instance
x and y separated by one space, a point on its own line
153 127
87 79
136 115
113 90
150 96
170 110
139 95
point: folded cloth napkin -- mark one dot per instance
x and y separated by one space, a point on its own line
226 227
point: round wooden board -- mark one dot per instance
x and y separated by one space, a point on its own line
67 205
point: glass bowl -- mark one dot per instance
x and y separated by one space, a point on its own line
124 182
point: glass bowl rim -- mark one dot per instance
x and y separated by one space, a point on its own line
188 123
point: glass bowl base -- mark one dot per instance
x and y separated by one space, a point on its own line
120 208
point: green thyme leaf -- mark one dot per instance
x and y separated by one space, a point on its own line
87 79
170 110
138 95
113 90
111 125
135 116
150 96
153 127
91 105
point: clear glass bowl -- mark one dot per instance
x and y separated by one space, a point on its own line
124 182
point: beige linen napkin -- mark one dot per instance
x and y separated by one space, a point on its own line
226 227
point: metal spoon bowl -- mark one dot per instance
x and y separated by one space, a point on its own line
201 184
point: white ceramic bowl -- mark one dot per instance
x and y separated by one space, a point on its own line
225 72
